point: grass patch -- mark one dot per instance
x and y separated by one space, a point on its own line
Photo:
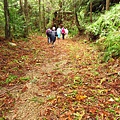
10 79
35 99
24 79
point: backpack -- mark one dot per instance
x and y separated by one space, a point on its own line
48 32
56 33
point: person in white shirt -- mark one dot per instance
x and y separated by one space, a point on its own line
66 33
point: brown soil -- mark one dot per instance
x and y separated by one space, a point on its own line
64 82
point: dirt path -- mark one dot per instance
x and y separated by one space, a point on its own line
67 82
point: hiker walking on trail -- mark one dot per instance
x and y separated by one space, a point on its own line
59 32
63 32
53 36
48 33
54 31
66 33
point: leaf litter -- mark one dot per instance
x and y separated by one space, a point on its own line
66 82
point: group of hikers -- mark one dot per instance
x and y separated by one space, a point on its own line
53 33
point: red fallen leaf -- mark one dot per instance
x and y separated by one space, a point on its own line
24 89
9 101
93 110
48 111
53 85
104 113
69 118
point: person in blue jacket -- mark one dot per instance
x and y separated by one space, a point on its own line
59 32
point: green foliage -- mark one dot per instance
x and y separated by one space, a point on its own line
108 22
10 79
24 79
16 22
1 118
112 46
2 19
73 31
107 28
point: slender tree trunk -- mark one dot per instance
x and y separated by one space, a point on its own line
80 29
21 7
44 21
40 20
91 12
59 13
62 11
26 18
7 20
107 4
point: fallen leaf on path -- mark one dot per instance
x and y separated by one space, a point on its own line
79 115
80 97
24 89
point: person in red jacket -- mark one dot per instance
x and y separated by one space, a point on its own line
63 32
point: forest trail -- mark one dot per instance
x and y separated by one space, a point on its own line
67 82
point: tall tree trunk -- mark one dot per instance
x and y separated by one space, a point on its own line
40 20
62 11
91 12
59 15
7 20
44 21
107 4
26 18
80 28
21 6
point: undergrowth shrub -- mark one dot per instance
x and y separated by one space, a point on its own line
112 46
107 27
73 31
109 22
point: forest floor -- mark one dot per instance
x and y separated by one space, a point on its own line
64 82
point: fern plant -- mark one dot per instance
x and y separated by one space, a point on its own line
112 46
109 22
107 27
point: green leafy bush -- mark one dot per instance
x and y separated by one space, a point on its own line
107 28
73 31
17 23
112 46
108 22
